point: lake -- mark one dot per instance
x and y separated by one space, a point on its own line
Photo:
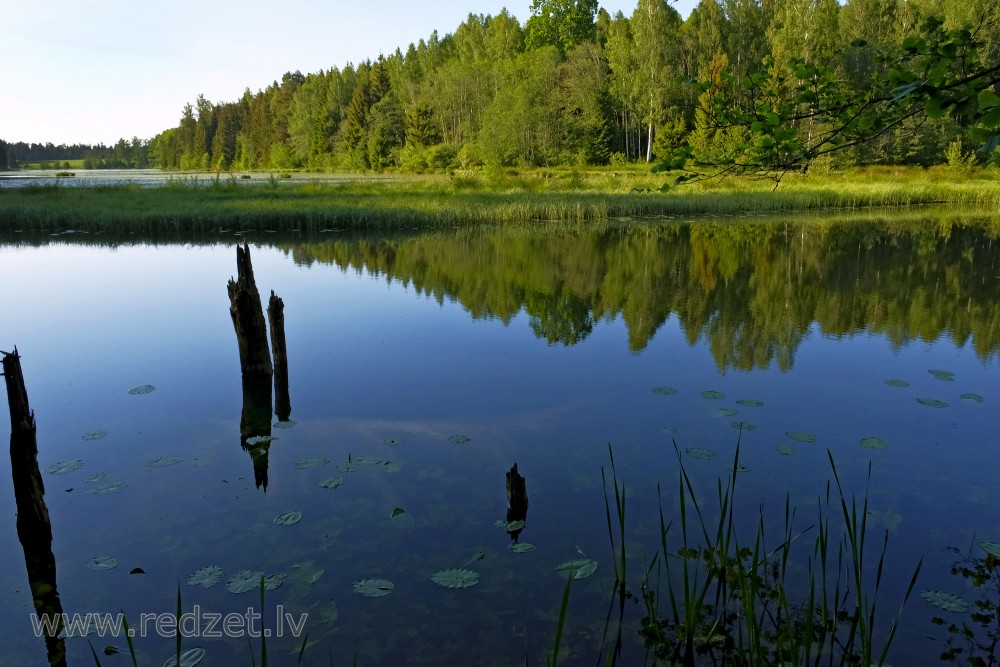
424 364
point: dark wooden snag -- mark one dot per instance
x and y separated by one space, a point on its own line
255 421
33 527
248 317
517 500
276 319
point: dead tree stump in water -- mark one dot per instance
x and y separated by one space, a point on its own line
276 318
34 529
248 317
517 500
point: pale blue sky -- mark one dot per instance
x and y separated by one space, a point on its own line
94 71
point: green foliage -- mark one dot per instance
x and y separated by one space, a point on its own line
560 23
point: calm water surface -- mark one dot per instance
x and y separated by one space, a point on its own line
542 346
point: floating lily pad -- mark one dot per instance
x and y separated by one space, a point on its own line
946 376
700 453
893 382
63 467
102 563
273 581
288 519
932 402
799 436
458 439
992 548
391 466
142 389
96 477
348 466
161 461
521 547
712 394
307 572
578 569
94 435
243 581
106 489
206 577
288 423
374 588
785 449
260 439
727 412
946 601
455 578
306 464
743 426
366 460
750 403
396 512
332 483
872 442
664 391
393 441
188 658
972 397
511 526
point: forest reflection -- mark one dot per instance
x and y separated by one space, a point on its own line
751 289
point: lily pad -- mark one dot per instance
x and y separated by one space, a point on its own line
366 460
799 436
743 426
142 389
243 581
393 441
992 548
374 588
785 449
94 435
700 453
288 423
873 442
664 391
932 402
161 461
307 572
206 577
727 412
288 519
455 578
578 569
670 429
750 403
391 466
106 489
96 477
260 439
511 526
102 563
348 466
972 397
188 658
63 467
396 512
332 483
946 376
458 439
306 464
946 601
893 382
521 547
273 581
712 394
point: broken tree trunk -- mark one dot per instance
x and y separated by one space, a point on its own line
248 317
276 318
517 501
33 527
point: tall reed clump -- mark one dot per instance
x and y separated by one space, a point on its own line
713 596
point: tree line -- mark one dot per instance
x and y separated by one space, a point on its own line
133 154
573 85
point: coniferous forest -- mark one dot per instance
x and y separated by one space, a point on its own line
572 85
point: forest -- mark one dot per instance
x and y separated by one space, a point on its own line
573 85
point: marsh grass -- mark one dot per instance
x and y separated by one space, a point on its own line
202 203
712 596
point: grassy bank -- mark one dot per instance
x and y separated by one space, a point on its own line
201 203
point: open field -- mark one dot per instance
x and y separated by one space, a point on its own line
206 202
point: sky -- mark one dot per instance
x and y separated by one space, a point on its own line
95 71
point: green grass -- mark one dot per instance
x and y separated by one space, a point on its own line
199 204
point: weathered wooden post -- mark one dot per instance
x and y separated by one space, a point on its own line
517 501
276 319
33 527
